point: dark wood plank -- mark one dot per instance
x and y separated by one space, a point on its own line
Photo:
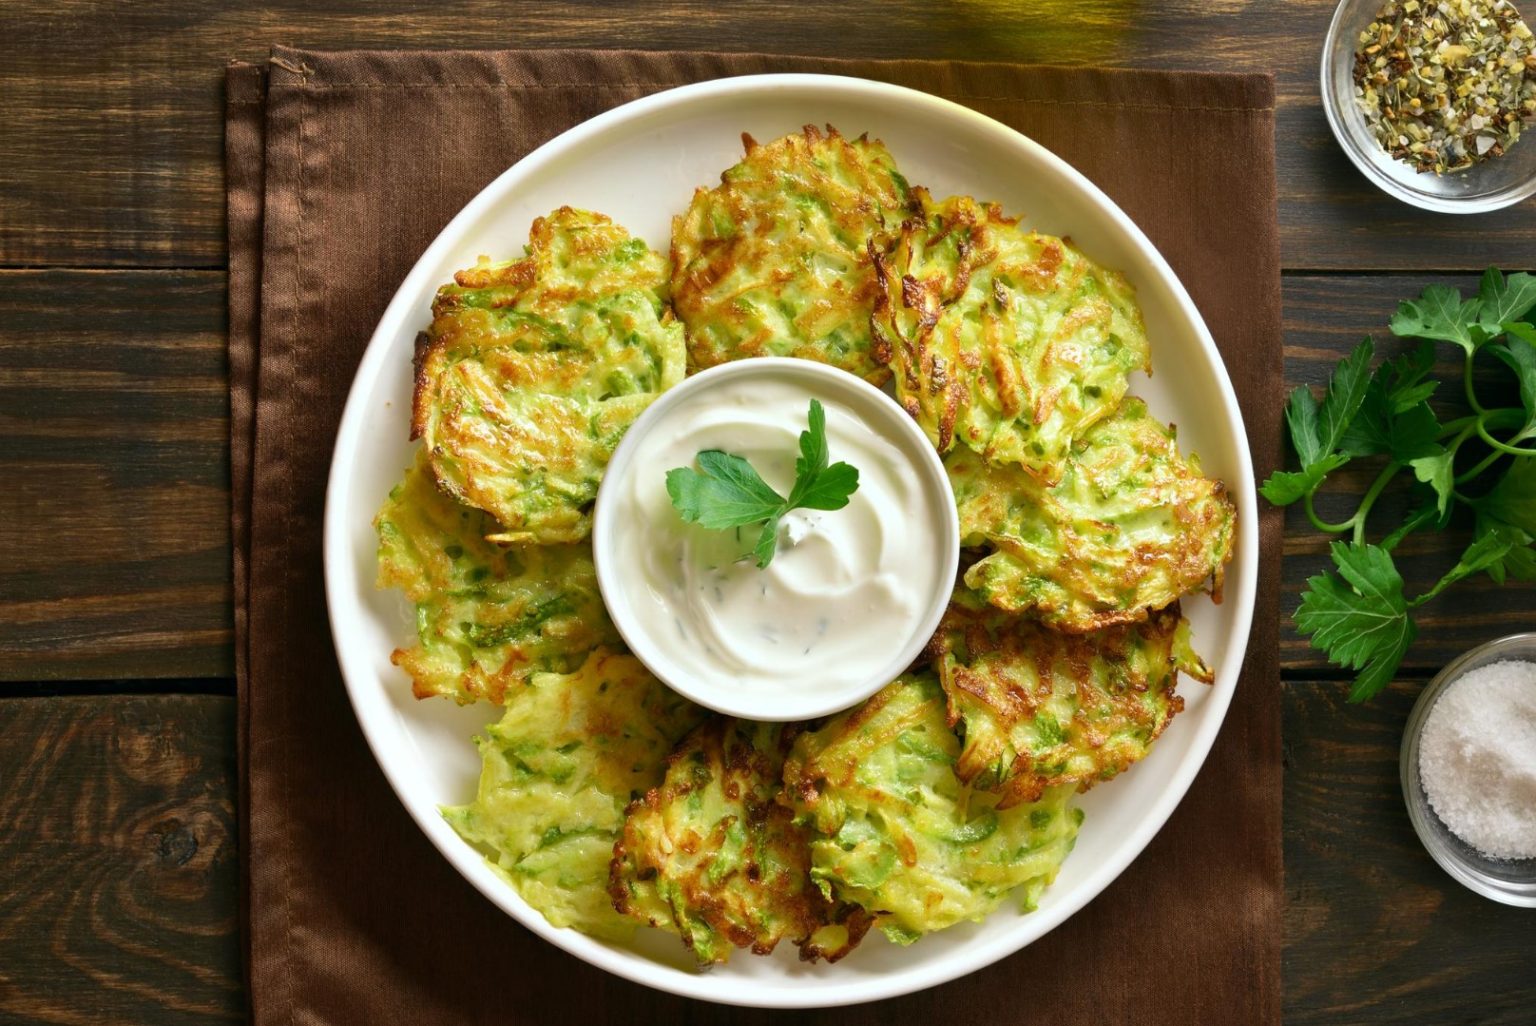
114 154
1375 931
1325 316
119 898
114 515
119 892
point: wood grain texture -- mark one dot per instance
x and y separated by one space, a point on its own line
118 878
114 453
1375 931
118 868
113 156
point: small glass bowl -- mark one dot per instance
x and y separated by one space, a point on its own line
1512 881
1490 185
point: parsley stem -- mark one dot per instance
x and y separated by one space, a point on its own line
1440 585
1387 474
1461 439
1466 433
1459 424
1504 417
1466 377
1499 446
1478 424
1323 525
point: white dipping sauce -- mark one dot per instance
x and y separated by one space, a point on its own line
846 588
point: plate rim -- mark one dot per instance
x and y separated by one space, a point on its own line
470 864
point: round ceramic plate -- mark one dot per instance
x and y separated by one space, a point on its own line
639 164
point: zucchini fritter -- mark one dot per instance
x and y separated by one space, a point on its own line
1008 341
487 615
895 829
775 260
533 370
1041 709
714 857
1130 527
571 751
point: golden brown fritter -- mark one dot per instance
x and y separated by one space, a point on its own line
775 260
896 830
1039 709
570 752
487 614
1007 341
1131 526
712 856
533 370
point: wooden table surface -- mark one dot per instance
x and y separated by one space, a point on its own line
118 857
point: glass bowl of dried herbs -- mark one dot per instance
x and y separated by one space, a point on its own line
1431 99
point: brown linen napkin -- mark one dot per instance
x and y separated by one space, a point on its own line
335 186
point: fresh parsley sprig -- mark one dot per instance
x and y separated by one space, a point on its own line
1360 615
726 492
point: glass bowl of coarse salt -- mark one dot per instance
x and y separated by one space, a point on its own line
1469 769
1431 99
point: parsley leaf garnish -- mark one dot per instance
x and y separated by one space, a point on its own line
1520 357
1317 432
1360 617
1359 614
1502 300
1440 313
727 492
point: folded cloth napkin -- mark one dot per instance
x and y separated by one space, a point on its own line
341 169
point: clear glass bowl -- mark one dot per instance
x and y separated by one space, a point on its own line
1489 185
1512 881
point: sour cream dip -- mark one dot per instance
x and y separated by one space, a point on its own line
851 595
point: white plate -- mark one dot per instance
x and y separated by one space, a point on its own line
639 164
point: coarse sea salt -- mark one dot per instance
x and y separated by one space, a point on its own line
1477 758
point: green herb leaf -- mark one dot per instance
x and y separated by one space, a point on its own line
1437 472
813 443
1440 313
1301 418
1521 358
726 491
1404 377
1521 329
1317 431
818 486
767 543
1519 561
1359 617
830 489
1379 427
1513 500
1485 551
1346 391
1285 487
1501 299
